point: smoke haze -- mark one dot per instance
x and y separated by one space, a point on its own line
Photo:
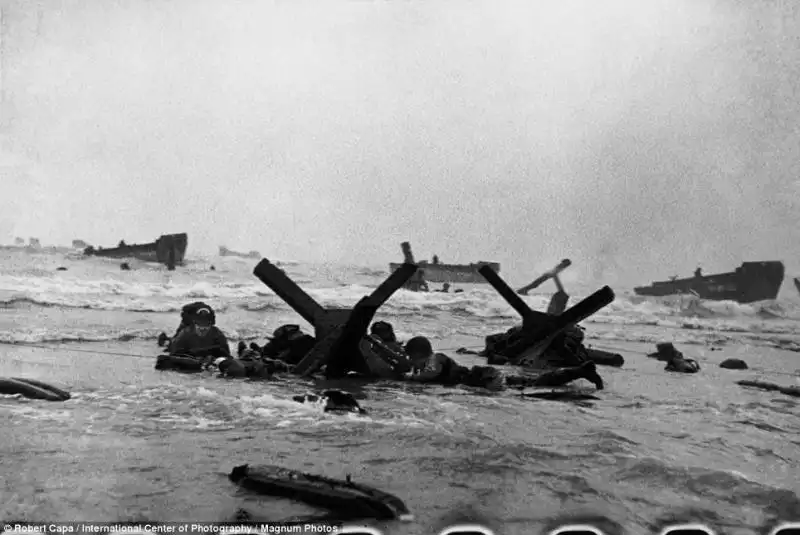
639 139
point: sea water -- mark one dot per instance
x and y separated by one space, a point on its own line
135 444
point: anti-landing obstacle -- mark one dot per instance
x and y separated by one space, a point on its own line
558 303
539 329
338 330
417 282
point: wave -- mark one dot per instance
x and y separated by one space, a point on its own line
98 284
61 336
257 333
160 296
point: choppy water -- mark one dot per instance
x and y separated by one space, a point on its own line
134 443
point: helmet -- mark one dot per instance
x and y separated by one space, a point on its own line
384 331
419 344
287 332
189 312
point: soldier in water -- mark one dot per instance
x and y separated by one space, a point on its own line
383 354
675 360
187 319
288 344
430 367
202 339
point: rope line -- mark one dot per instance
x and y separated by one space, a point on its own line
78 350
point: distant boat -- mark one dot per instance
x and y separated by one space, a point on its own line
167 249
224 251
454 273
751 282
19 244
797 283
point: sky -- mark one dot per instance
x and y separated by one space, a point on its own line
639 138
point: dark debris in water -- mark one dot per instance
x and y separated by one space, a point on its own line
761 425
567 395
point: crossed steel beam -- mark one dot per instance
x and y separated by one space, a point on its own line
338 330
558 303
539 329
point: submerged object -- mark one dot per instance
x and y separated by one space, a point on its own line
733 364
224 251
356 500
560 395
180 364
752 281
249 366
30 388
436 272
335 401
168 249
664 352
797 283
793 391
605 358
682 365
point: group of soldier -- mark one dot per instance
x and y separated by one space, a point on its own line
198 337
380 355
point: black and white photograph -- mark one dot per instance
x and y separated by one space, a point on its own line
400 267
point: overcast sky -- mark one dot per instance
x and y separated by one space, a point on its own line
636 137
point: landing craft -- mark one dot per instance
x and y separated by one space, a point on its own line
751 282
435 271
224 251
168 249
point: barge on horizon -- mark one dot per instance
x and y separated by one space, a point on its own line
452 273
751 282
168 249
224 251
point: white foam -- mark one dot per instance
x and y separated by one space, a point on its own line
97 283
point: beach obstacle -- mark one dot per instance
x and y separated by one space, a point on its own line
539 328
417 282
558 303
338 330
